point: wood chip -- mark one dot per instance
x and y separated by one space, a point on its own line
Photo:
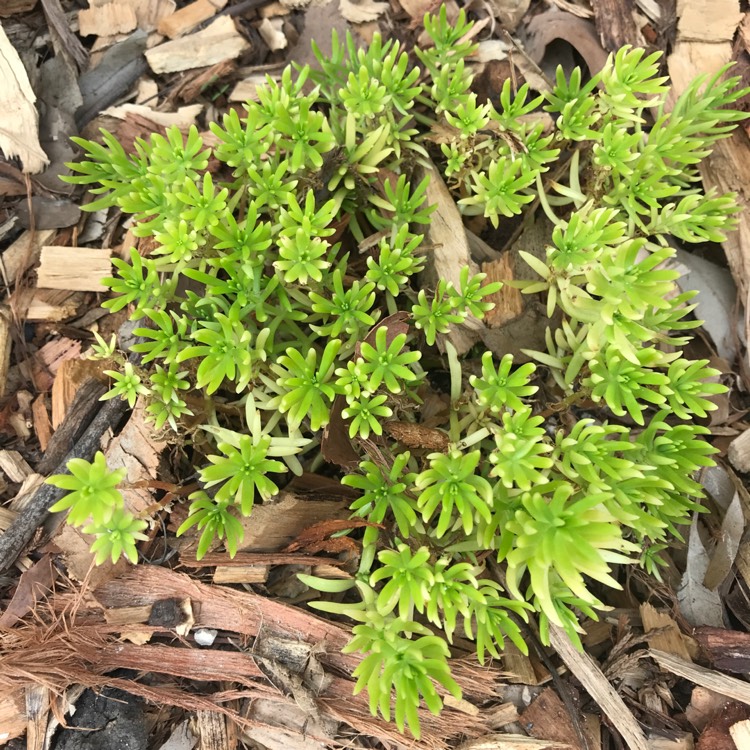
220 41
738 690
74 268
511 742
12 716
211 728
24 253
187 18
596 684
518 665
241 574
740 733
50 305
6 344
14 465
104 20
670 639
71 374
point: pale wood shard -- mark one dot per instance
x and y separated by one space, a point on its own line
19 129
212 731
511 742
272 31
6 519
740 733
49 305
731 687
6 345
187 18
505 713
670 639
24 253
582 666
74 268
37 716
518 665
707 20
241 573
108 19
247 89
150 12
218 42
12 716
14 465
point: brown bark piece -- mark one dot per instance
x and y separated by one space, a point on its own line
11 7
412 435
728 650
219 41
275 525
670 639
74 268
108 19
547 719
716 735
187 18
615 24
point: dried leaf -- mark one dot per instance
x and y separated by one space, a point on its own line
19 135
699 605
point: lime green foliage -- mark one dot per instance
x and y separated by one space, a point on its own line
96 504
271 294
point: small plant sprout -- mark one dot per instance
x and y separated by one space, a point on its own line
292 321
